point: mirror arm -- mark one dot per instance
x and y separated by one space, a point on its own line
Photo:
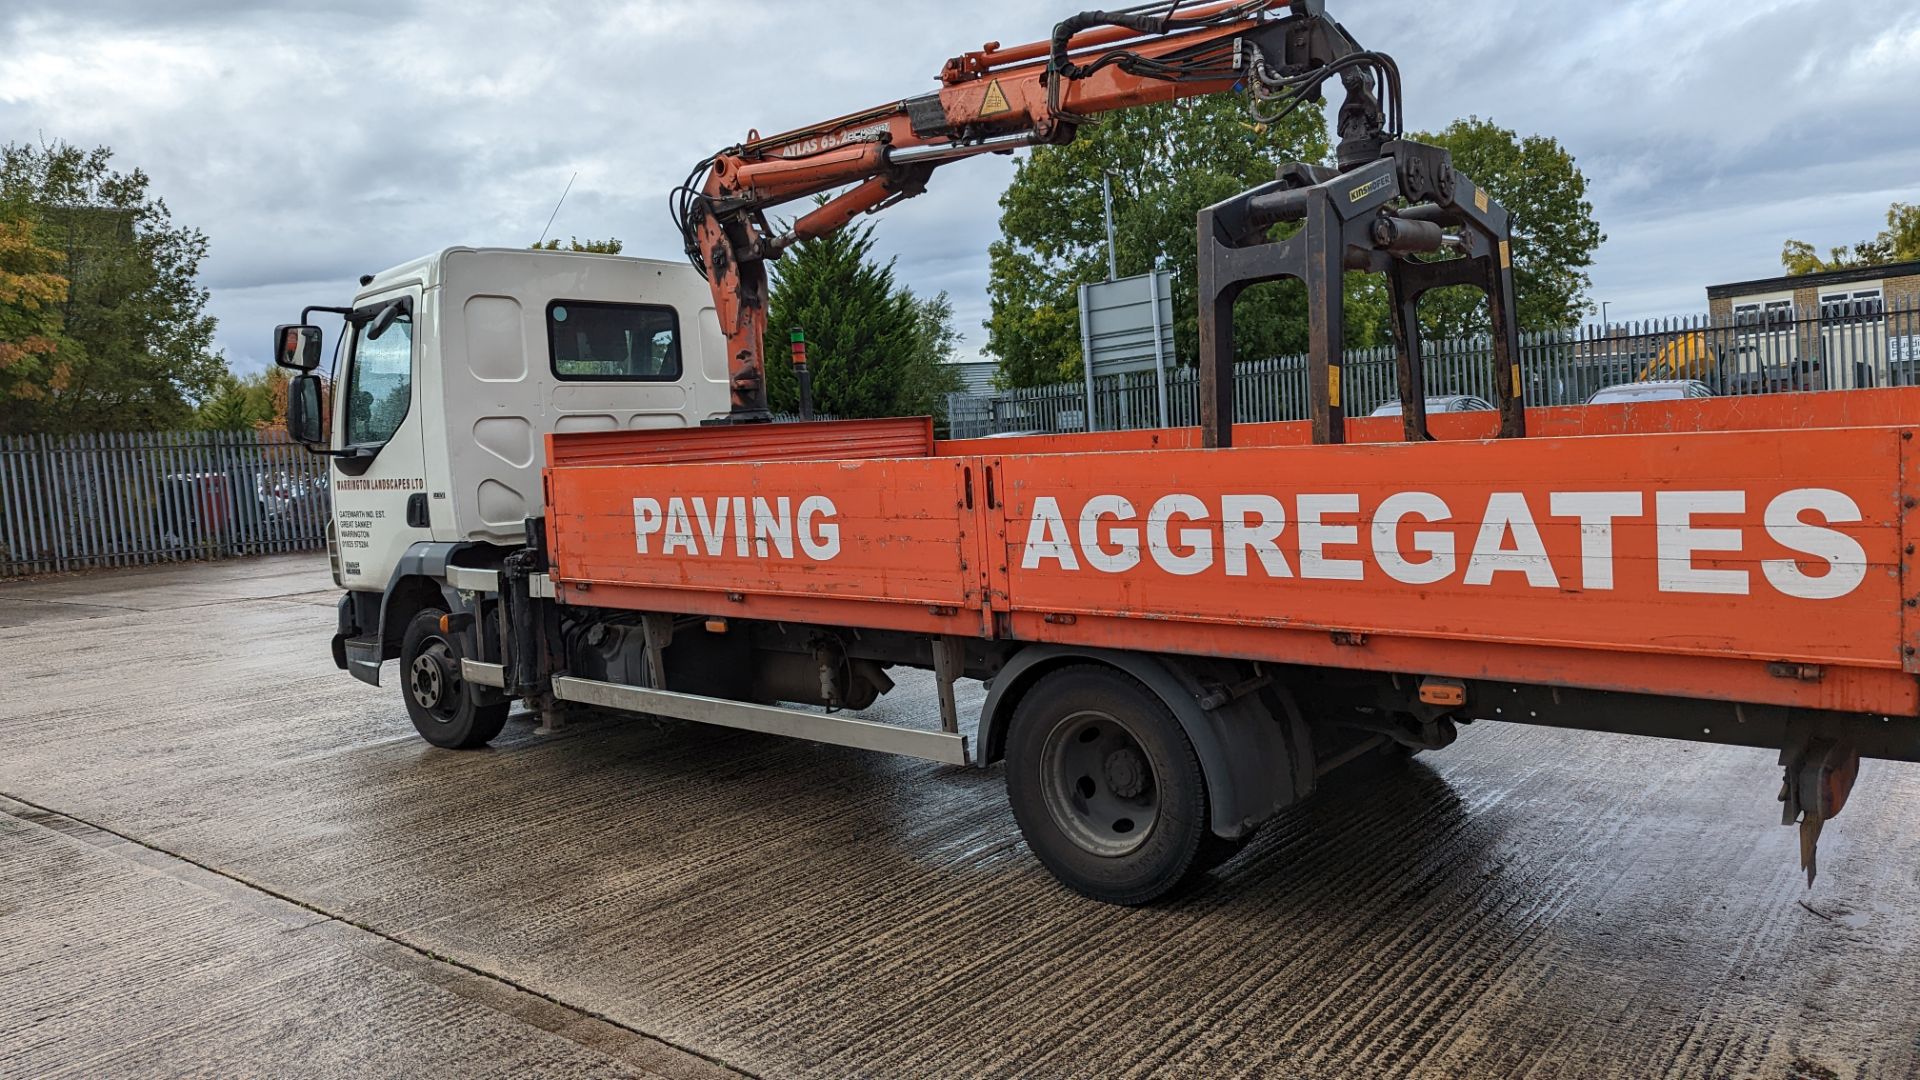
383 322
352 453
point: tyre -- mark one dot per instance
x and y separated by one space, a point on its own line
446 709
1107 789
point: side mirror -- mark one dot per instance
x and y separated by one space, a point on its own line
384 321
304 424
297 347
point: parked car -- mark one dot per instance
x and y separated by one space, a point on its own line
196 509
290 496
1656 390
1451 403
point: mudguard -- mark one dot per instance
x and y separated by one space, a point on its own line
425 560
1256 751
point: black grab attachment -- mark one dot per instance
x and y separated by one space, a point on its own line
1376 218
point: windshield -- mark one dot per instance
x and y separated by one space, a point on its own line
380 381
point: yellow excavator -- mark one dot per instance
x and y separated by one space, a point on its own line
1688 356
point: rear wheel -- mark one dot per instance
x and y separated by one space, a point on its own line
1107 789
446 709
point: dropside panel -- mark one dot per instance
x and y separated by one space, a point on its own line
1777 547
899 534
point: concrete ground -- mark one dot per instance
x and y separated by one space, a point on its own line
219 855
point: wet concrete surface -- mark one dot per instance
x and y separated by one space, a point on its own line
127 961
628 897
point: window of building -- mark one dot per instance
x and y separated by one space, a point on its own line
614 342
1770 315
1860 306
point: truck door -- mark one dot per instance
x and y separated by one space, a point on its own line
379 480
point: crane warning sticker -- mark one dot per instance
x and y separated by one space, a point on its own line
996 101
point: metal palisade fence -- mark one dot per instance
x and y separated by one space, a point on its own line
1837 347
124 500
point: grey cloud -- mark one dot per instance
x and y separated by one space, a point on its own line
1710 133
125 15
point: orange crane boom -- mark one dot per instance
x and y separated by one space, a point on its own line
996 100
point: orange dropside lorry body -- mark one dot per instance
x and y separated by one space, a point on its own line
1752 550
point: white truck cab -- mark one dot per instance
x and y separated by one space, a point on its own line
449 374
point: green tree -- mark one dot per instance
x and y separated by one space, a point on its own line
245 403
32 332
229 409
1898 242
941 339
609 246
1903 232
138 342
873 347
1555 234
1167 162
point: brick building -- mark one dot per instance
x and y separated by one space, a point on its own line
1843 328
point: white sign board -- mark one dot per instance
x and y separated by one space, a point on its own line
1120 321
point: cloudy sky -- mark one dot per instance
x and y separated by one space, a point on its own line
320 140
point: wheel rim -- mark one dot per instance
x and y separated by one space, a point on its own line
1100 784
434 681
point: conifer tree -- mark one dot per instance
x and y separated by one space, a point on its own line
874 348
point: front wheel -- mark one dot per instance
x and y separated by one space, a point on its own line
1107 789
445 707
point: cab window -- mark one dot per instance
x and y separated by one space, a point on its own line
380 378
613 342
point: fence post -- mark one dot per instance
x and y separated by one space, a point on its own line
34 492
81 490
9 504
100 530
1086 356
56 506
122 488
